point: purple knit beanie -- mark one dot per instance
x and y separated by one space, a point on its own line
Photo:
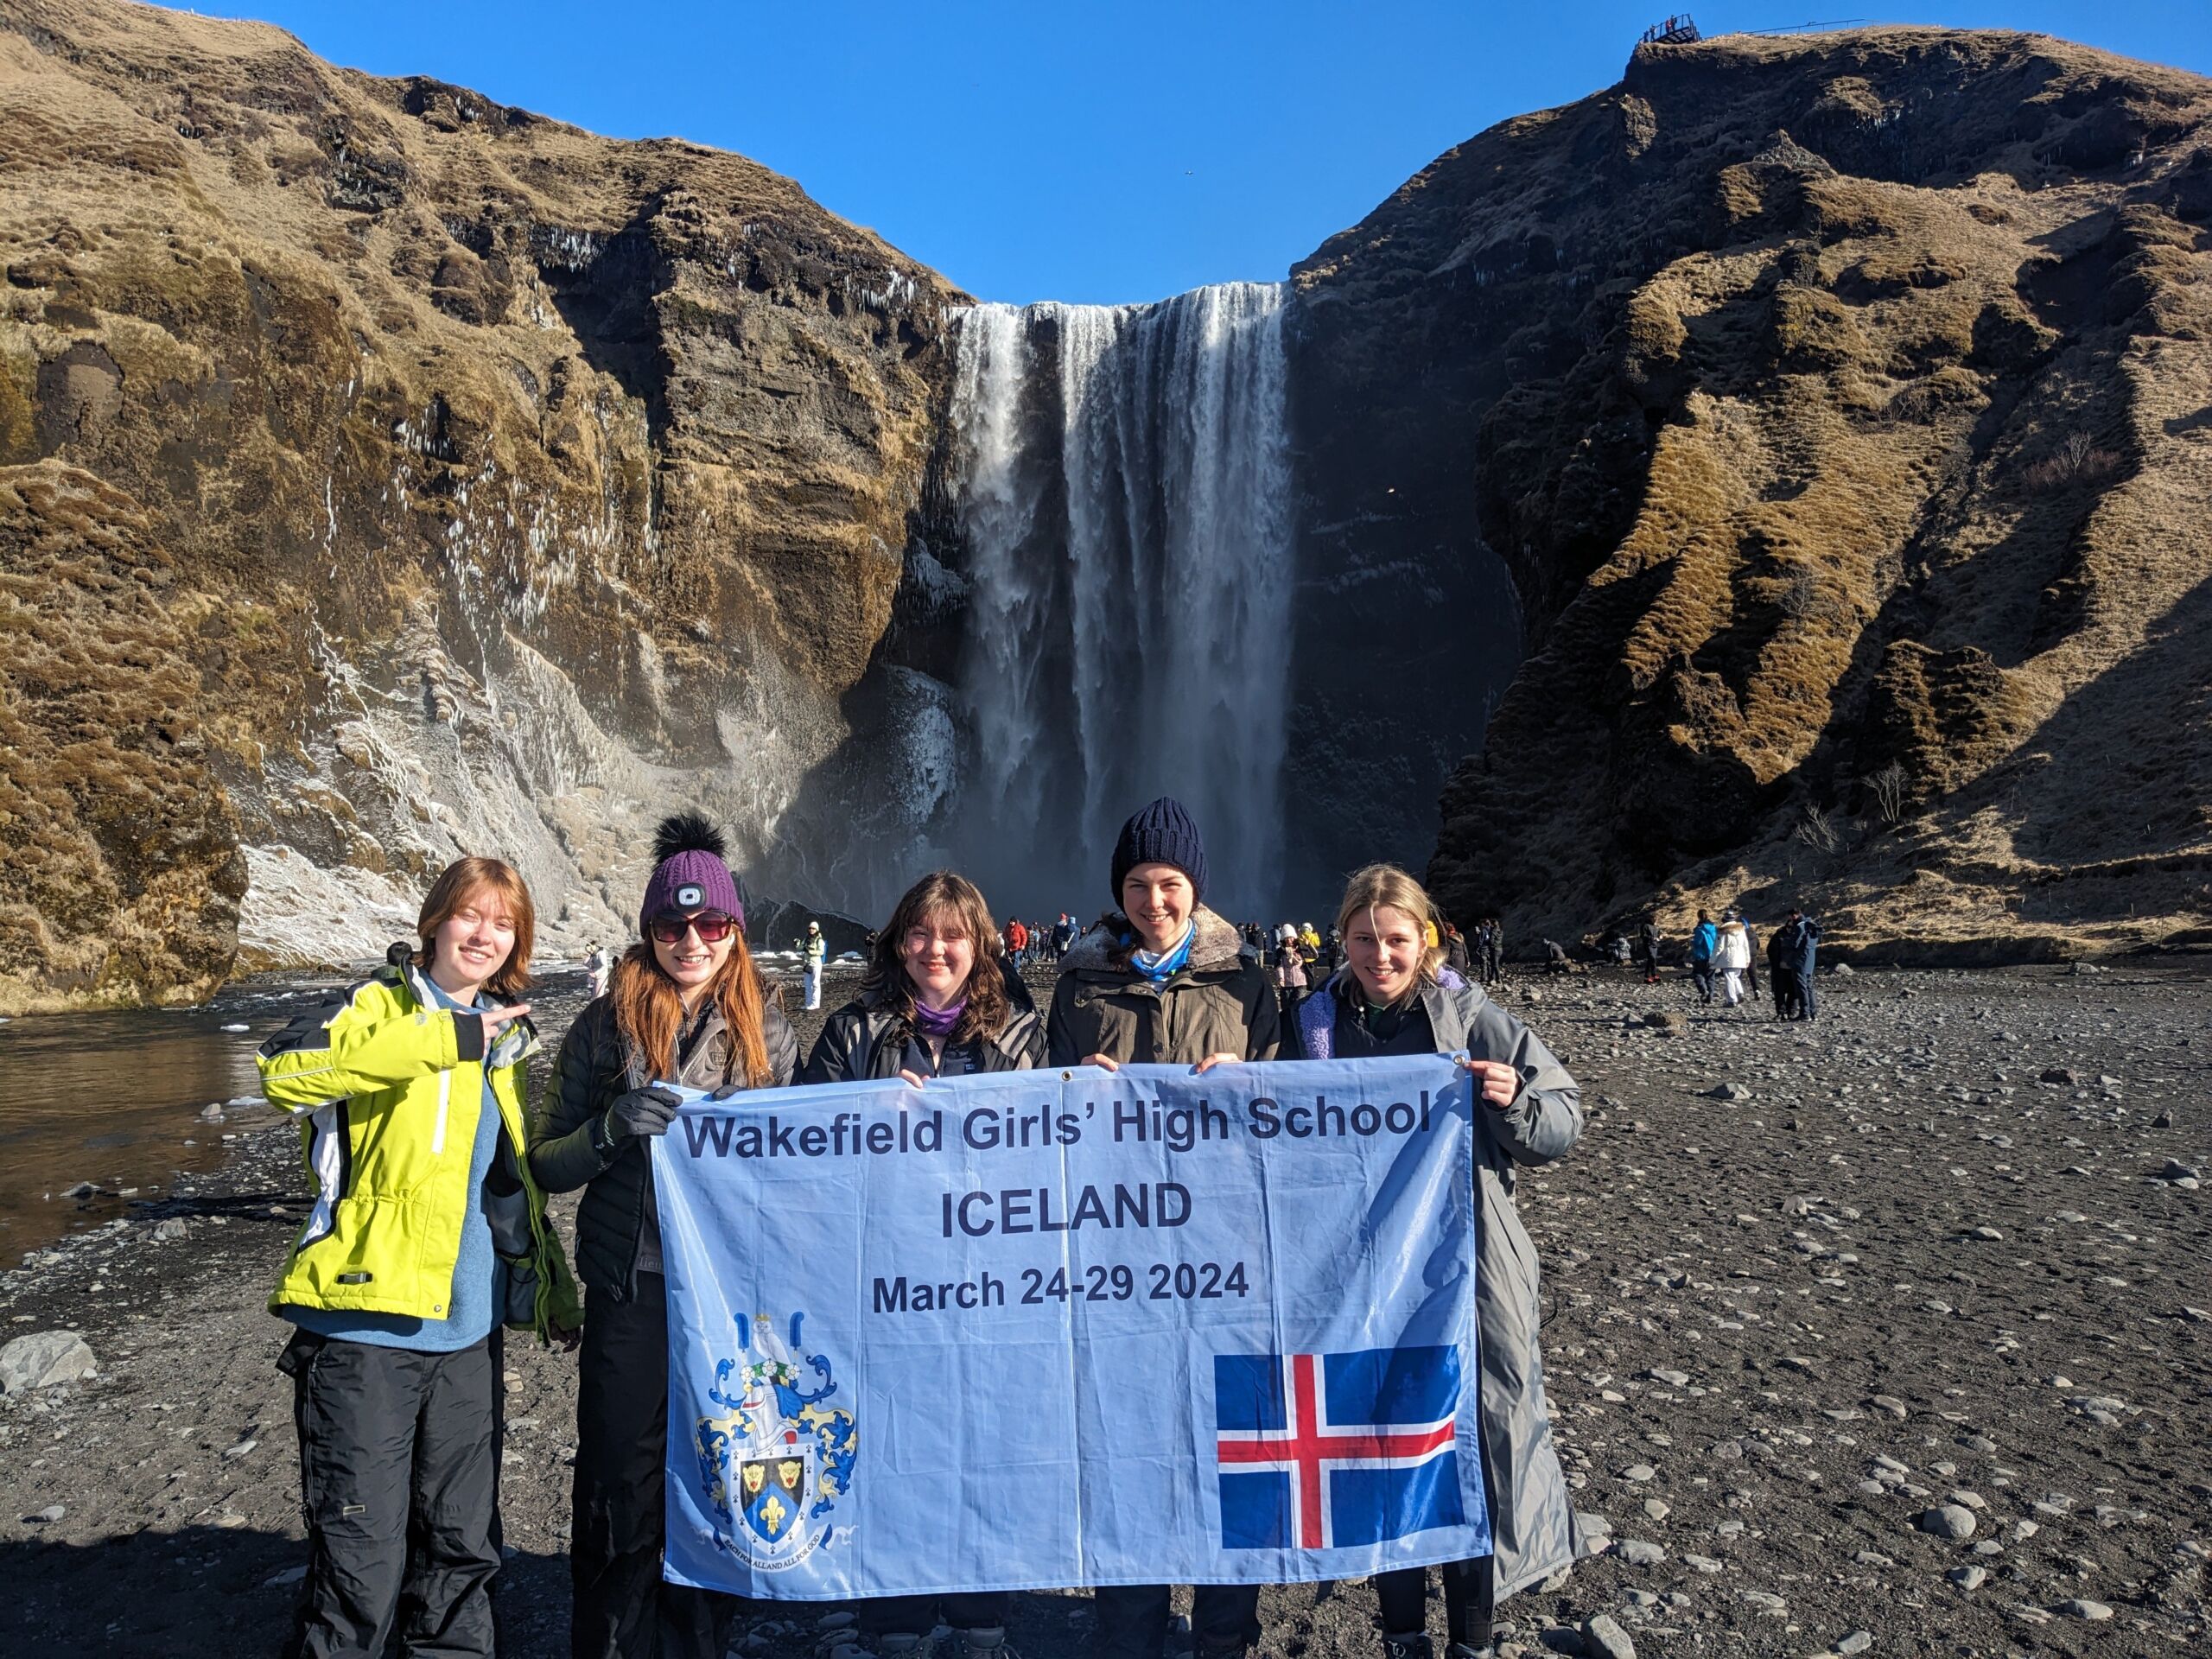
689 872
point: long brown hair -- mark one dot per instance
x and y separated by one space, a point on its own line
941 893
649 1009
458 885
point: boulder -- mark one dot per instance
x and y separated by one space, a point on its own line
44 1359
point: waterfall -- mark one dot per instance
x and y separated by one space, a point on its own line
1122 486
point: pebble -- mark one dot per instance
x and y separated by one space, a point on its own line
1639 1551
1969 1578
1856 1642
1947 1521
1672 1379
234 1031
1639 1471
1657 1507
1604 1638
47 1517
1728 1092
173 1227
2096 1611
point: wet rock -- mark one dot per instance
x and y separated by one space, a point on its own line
44 1359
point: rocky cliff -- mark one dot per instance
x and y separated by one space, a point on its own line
1798 454
1840 407
386 474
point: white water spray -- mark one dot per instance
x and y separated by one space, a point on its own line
1123 487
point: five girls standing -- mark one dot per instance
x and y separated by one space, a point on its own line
399 1374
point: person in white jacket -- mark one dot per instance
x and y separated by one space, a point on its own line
1733 956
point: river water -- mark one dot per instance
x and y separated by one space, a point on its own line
114 1098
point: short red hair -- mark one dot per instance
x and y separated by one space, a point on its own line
461 884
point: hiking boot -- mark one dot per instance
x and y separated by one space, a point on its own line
1407 1646
986 1643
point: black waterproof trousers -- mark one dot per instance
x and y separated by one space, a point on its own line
623 1610
1469 1600
399 1487
1786 995
1129 1621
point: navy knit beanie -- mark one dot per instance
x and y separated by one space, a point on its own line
1163 833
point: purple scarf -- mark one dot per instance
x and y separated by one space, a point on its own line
939 1022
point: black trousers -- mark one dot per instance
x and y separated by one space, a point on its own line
1130 1621
399 1487
622 1609
976 1610
1701 976
1469 1600
1784 983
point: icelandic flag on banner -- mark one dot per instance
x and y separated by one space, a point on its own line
1330 1451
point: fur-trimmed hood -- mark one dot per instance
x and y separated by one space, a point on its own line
1215 946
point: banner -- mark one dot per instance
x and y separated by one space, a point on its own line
1059 1328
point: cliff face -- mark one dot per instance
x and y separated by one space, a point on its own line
384 475
1841 408
1816 433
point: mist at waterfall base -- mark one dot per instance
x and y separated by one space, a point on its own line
1123 508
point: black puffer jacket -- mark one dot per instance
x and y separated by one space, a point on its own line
618 1220
867 1038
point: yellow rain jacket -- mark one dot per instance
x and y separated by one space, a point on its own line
389 1086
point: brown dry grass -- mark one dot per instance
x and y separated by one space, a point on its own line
1921 266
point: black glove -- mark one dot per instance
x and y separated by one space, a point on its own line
648 1110
727 1090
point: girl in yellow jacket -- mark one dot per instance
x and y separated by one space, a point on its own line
426 1239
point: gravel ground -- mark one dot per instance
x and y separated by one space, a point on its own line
1902 1350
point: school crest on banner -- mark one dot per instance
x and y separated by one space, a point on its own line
773 1457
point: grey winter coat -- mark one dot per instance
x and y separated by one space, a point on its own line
867 1038
1532 1519
618 1221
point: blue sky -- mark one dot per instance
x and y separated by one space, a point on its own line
1090 152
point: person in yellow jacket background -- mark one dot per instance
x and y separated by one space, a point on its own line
427 1238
